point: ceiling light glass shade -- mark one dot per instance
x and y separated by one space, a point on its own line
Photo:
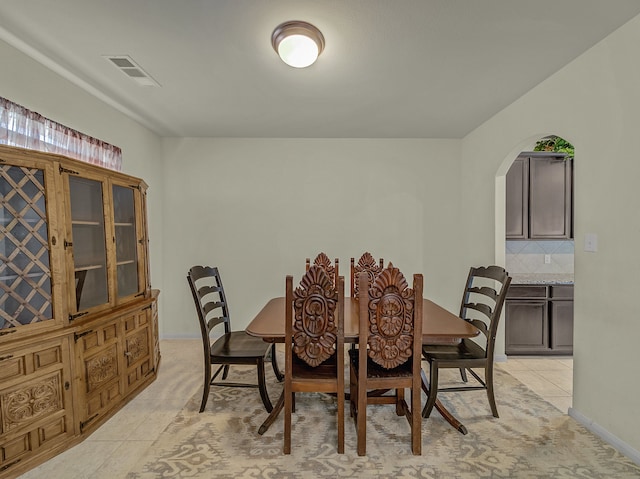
298 43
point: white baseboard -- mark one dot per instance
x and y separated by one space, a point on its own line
618 444
499 358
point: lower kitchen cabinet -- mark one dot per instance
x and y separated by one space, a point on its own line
539 320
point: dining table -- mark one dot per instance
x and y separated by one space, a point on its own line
438 326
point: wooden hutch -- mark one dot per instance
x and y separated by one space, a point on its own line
78 317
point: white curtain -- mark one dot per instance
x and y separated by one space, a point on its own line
28 129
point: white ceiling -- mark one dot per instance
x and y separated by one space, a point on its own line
390 69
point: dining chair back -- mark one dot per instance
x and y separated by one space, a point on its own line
368 264
332 270
481 305
314 344
222 346
388 354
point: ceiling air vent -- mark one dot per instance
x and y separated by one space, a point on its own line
130 68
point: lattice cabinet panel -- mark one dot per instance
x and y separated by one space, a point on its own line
25 265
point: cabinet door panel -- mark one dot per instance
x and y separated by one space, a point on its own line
517 200
127 239
526 327
138 347
26 296
562 326
550 198
86 198
99 352
36 401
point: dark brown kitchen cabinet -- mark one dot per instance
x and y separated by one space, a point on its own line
539 197
539 320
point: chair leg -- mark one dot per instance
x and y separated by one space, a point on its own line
340 397
226 372
416 421
463 375
399 393
207 386
361 421
433 389
274 364
262 386
488 378
288 399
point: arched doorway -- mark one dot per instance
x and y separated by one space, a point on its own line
539 254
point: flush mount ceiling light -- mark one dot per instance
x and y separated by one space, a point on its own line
297 43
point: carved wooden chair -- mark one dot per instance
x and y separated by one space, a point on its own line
231 347
368 264
314 344
388 355
482 301
332 270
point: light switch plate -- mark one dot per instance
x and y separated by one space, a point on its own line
547 259
591 242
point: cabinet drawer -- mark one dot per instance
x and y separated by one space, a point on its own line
527 291
563 291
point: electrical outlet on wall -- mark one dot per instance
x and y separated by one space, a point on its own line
547 259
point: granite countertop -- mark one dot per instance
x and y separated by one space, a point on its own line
538 278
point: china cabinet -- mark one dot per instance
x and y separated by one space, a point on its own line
78 318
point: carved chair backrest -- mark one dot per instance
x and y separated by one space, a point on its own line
314 329
368 264
482 301
390 331
210 300
332 270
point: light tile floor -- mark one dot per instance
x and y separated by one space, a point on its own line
113 450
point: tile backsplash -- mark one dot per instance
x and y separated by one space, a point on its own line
528 257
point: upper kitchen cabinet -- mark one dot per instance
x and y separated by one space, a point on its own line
539 197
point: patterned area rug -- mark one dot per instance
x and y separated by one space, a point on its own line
531 439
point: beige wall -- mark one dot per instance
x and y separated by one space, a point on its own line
258 207
594 102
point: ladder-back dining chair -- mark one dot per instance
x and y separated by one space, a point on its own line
230 347
368 264
314 344
482 301
388 354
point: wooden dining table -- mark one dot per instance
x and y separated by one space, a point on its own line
439 326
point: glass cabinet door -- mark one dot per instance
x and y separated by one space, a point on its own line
88 242
126 237
25 275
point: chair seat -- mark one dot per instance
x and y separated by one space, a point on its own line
239 345
374 370
465 350
326 370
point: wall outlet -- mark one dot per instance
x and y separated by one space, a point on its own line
547 259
